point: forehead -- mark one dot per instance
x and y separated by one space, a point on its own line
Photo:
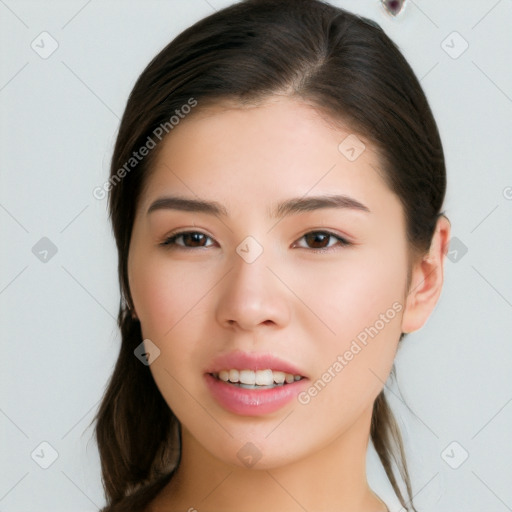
278 148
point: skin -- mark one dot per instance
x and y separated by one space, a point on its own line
303 306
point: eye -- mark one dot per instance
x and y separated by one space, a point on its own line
187 240
315 240
322 240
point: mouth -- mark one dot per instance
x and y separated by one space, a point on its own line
253 384
259 379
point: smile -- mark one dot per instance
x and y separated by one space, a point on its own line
260 379
254 399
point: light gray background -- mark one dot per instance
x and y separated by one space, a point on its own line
59 338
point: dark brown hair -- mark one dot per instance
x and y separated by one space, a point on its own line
348 69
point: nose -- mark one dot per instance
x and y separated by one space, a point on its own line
252 297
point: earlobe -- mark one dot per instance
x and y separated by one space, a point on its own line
426 280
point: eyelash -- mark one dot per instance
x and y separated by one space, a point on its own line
170 241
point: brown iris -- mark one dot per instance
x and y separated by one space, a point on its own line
194 239
317 240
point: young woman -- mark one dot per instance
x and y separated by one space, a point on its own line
276 194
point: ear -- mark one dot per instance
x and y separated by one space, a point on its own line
426 280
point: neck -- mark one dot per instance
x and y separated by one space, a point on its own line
332 478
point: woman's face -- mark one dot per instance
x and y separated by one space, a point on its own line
272 275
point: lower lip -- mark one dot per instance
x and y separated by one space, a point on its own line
253 402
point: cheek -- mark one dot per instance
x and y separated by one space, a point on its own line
165 293
173 305
170 302
358 304
350 293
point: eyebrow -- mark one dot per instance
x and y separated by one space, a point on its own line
288 207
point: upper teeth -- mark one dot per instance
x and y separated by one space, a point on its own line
260 377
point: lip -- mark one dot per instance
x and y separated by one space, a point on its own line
252 402
252 361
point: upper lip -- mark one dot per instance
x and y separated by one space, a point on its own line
252 361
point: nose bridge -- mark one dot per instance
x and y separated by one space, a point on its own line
251 294
249 280
250 273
